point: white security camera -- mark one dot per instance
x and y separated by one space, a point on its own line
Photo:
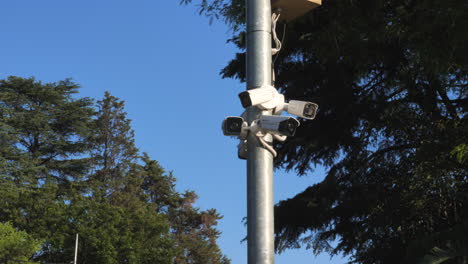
235 126
278 125
268 98
302 109
265 98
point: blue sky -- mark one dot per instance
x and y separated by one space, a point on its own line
164 61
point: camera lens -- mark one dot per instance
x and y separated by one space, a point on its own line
245 99
288 127
310 110
234 126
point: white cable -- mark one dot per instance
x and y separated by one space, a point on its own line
260 134
280 138
274 19
267 146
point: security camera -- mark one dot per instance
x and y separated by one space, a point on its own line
279 125
268 98
235 126
265 98
257 96
302 109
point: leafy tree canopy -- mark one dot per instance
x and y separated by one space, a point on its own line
390 78
69 165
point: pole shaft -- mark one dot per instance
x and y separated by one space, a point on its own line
76 250
260 224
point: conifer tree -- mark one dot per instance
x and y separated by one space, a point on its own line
118 223
67 167
44 131
113 146
391 82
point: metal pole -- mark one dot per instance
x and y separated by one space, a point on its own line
76 250
260 225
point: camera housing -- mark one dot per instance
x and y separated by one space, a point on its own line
302 109
265 98
279 125
268 98
234 126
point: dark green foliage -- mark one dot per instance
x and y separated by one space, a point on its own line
391 81
113 151
16 245
43 129
67 167
42 147
230 11
195 234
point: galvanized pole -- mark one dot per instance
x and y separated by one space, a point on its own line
260 225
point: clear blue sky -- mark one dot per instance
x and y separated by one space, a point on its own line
164 61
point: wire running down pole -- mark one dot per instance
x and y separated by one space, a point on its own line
260 224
